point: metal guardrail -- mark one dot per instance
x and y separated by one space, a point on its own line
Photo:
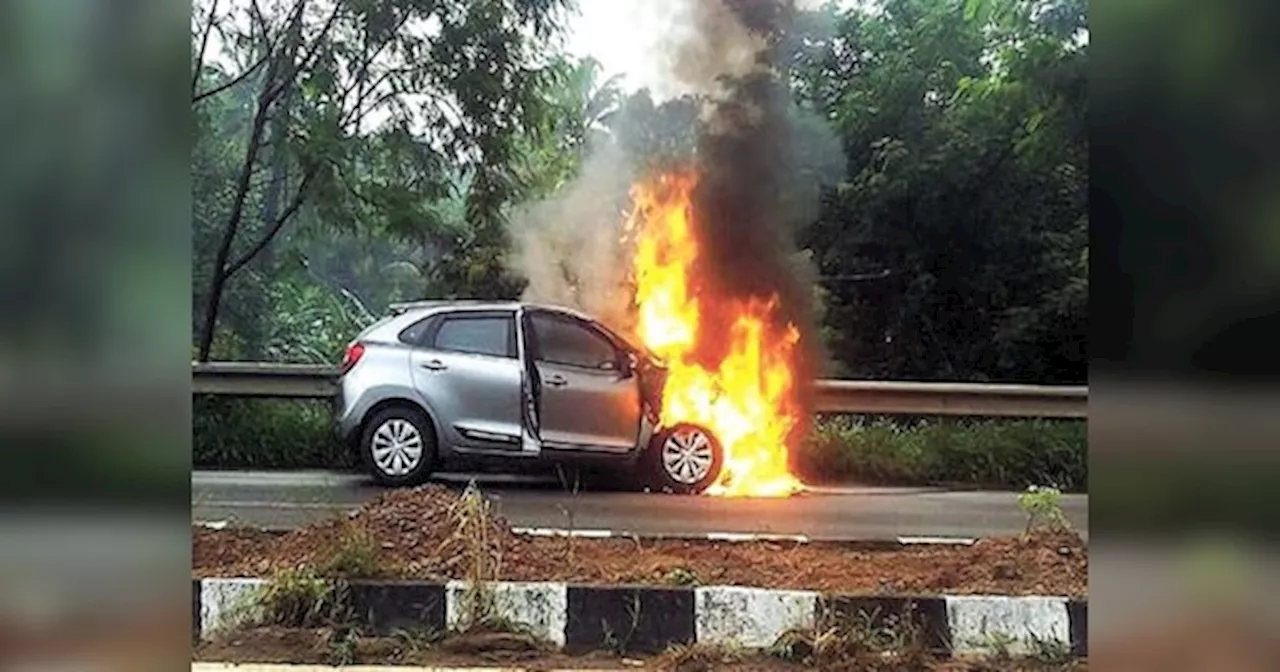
255 379
305 381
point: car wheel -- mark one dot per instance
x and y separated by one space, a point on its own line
399 446
686 459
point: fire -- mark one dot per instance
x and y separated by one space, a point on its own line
747 397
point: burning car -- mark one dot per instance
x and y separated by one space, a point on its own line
438 382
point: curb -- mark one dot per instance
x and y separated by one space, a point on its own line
582 618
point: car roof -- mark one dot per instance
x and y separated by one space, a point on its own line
425 307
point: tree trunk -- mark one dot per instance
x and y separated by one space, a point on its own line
220 272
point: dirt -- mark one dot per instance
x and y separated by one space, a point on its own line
414 537
322 646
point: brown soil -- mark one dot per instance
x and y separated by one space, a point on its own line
327 647
416 539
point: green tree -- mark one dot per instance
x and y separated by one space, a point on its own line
354 110
956 245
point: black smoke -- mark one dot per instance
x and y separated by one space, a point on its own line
747 156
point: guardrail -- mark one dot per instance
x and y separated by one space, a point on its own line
305 381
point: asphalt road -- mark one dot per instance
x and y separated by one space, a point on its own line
290 499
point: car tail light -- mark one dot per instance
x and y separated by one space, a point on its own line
354 352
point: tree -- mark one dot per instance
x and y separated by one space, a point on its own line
962 217
336 82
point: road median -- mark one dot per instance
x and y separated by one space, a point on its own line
433 562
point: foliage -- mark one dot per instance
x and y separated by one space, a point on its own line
274 434
264 434
1043 506
963 209
993 453
351 116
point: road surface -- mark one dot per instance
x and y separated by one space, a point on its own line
290 499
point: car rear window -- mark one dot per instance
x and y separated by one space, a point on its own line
416 333
478 335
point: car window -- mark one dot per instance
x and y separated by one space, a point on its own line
477 335
561 341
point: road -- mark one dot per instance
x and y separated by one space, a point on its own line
290 499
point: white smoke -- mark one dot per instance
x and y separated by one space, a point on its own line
568 246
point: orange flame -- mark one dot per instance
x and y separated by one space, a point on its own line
747 398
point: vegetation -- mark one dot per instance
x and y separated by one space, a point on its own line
1015 454
995 453
347 156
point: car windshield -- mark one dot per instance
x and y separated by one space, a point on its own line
631 343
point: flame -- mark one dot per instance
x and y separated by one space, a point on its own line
747 397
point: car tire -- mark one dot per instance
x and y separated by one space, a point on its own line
685 459
398 446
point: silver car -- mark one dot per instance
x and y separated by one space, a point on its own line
436 383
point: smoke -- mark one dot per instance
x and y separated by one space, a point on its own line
567 247
762 163
760 176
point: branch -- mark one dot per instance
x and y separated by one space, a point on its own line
368 61
195 98
358 110
294 205
204 45
311 54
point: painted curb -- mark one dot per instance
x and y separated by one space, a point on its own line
648 619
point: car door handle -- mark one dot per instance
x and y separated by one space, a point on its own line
434 365
557 381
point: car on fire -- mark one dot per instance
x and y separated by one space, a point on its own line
437 383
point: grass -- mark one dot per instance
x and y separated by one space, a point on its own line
994 453
264 434
1014 454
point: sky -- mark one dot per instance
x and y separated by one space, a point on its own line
619 34
622 35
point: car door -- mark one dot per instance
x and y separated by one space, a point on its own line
589 398
469 371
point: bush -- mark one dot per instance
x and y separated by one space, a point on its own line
995 453
265 434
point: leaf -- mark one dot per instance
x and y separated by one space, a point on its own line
973 9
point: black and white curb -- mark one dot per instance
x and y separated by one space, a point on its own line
651 618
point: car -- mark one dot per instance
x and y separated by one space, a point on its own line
438 383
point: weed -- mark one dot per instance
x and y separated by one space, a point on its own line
344 645
868 641
1043 507
905 451
474 529
698 657
415 641
300 598
619 645
570 512
1051 651
354 556
680 576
